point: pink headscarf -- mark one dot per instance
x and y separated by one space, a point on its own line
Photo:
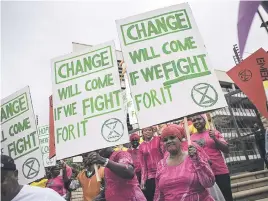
173 130
134 136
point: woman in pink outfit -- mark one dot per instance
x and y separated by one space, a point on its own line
213 144
134 152
182 176
121 183
57 181
151 152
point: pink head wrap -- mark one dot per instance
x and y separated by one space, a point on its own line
134 136
173 130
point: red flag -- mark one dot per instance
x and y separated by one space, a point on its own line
52 149
247 77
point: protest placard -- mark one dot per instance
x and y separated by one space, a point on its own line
43 134
19 138
87 101
169 72
250 75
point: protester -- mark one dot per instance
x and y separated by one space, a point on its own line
134 152
56 182
213 144
182 176
151 152
214 191
87 180
121 183
11 190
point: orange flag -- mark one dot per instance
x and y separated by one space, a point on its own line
52 149
247 77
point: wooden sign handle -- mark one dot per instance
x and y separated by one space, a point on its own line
97 173
187 131
210 122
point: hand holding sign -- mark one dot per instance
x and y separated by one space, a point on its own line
95 158
212 134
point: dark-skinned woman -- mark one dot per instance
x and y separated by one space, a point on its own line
121 183
56 180
134 152
214 144
182 176
151 152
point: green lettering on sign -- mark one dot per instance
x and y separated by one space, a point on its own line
19 127
14 107
156 26
71 131
153 98
22 146
84 64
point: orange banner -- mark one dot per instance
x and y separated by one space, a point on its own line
52 149
247 77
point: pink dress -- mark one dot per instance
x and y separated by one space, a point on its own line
207 143
150 154
117 188
57 183
185 182
136 159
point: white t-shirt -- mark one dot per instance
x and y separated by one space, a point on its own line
34 193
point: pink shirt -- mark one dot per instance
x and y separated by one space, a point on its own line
150 154
218 165
184 182
136 159
57 183
117 188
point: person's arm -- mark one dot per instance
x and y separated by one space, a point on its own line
158 195
101 195
143 168
125 171
64 173
123 168
221 144
70 184
201 165
162 147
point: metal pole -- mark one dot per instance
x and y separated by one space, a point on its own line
265 26
228 97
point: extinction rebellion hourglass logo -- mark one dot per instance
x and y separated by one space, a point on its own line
31 168
204 95
112 130
245 75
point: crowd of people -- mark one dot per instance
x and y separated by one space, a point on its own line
158 165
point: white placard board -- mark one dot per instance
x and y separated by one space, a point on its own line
78 159
19 138
87 101
169 71
130 103
43 134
